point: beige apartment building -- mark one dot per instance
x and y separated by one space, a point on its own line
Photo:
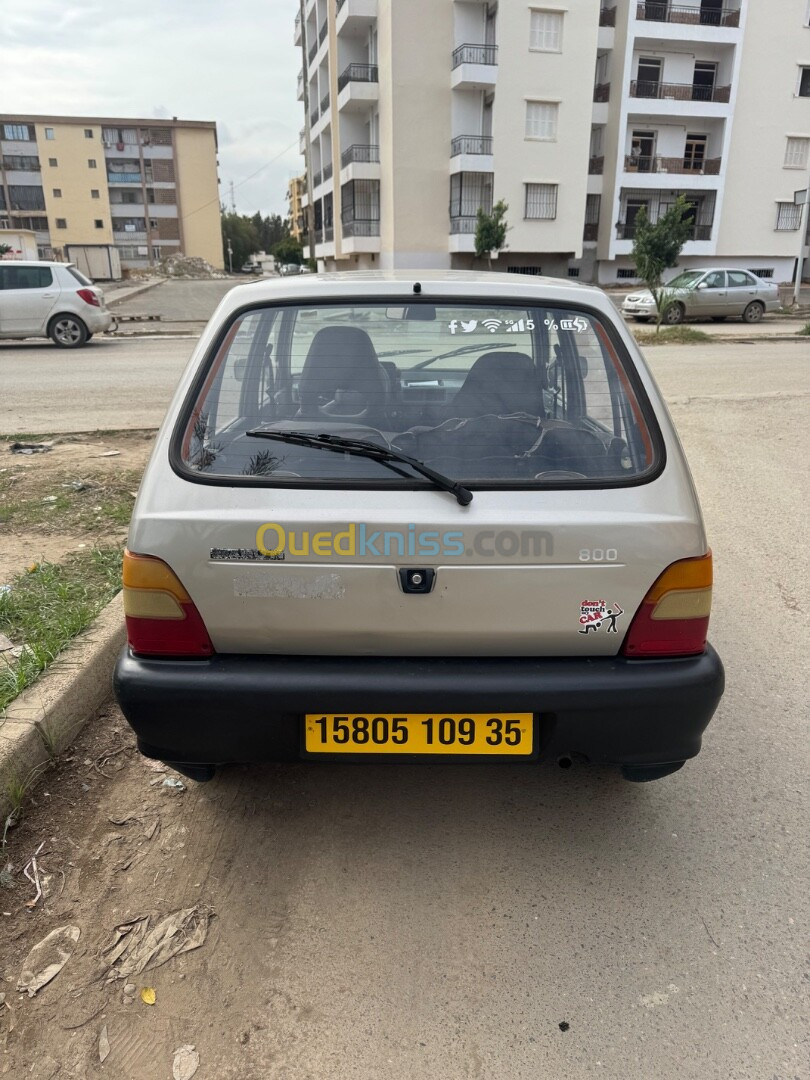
295 210
577 113
146 188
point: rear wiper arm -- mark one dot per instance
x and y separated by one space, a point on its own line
362 448
460 351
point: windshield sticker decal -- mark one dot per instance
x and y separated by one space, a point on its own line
594 614
511 326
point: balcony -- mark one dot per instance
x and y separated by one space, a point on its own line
596 165
688 166
300 87
590 234
325 104
355 17
472 153
471 144
601 92
463 225
317 179
302 141
313 50
327 171
357 87
649 89
124 178
626 231
607 16
360 154
297 35
683 15
313 116
355 228
324 30
475 67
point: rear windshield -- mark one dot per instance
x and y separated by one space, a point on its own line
82 280
488 396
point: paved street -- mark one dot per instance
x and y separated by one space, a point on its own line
443 922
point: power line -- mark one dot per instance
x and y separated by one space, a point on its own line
239 183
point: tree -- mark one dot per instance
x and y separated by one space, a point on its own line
656 247
288 250
269 230
4 250
241 233
490 231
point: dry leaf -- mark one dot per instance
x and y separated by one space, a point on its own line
148 995
185 1064
103 1045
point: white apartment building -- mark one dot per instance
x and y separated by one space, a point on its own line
576 112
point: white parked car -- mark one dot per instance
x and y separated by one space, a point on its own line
424 515
50 299
707 294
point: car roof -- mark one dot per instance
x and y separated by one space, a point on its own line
35 262
401 284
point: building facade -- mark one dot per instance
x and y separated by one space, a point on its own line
295 210
576 113
147 187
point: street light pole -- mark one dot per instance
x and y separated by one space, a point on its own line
230 256
797 288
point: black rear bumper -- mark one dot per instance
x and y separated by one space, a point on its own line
249 708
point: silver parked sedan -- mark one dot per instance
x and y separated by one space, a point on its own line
701 294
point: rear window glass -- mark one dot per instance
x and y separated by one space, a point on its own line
80 277
492 396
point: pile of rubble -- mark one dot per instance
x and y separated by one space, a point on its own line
188 266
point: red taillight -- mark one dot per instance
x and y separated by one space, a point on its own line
161 617
89 297
673 619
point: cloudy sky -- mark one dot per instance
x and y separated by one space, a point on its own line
232 61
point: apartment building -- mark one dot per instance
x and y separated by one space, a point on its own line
295 211
148 188
576 113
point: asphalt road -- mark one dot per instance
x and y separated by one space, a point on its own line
443 922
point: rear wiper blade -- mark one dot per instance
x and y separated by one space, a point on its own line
461 350
362 448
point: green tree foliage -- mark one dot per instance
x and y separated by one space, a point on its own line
288 250
656 247
490 231
270 230
240 231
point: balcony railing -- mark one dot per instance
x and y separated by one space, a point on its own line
313 116
649 88
601 92
360 228
475 54
360 154
626 231
464 225
706 167
313 50
327 171
324 30
607 16
324 103
662 11
591 232
368 73
124 178
596 165
471 144
317 178
328 234
339 4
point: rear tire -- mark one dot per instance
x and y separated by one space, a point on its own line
674 314
644 774
67 331
754 312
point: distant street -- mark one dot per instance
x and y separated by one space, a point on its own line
128 382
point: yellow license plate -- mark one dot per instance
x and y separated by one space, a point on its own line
506 734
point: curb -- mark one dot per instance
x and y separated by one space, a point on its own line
40 723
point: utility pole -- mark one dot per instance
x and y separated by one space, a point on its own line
797 288
233 200
307 139
230 256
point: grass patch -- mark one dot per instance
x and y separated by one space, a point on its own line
48 606
672 335
92 503
805 330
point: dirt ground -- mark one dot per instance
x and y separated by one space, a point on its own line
42 530
118 845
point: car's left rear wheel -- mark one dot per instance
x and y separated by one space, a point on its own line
754 312
67 331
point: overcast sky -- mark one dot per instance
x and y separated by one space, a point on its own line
232 61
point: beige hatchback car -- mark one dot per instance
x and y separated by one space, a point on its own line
407 516
707 294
